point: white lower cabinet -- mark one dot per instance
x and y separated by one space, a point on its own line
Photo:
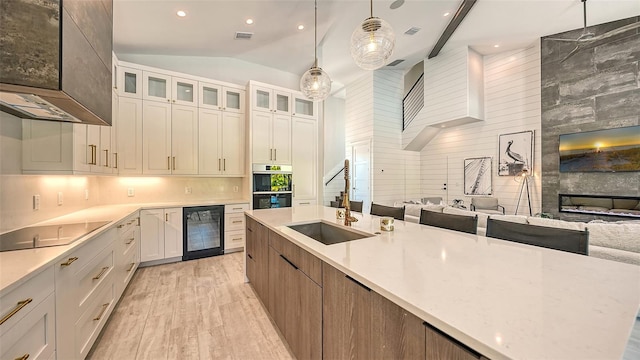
27 329
127 251
85 295
160 234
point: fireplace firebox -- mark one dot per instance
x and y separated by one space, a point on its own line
625 206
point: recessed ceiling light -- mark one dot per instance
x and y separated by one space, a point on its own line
249 21
446 14
496 45
301 27
181 13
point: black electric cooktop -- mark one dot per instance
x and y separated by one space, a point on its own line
46 235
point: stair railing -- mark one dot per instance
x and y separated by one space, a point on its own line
413 102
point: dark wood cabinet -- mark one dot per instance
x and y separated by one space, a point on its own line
395 332
295 300
257 244
441 346
346 316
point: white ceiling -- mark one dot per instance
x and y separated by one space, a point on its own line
152 27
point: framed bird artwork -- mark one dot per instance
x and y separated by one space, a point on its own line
515 153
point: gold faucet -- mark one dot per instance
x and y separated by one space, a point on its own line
348 219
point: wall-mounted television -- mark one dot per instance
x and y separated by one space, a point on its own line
609 150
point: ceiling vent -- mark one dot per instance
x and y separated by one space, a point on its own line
412 31
240 35
395 62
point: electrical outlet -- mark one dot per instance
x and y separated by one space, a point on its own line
131 192
36 202
187 190
86 194
60 198
235 188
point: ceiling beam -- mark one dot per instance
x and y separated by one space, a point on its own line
462 11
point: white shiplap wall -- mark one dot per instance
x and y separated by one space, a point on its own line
512 104
374 113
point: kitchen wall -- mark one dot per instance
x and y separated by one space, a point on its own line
512 104
597 88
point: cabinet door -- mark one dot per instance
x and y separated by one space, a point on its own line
281 139
281 102
184 140
309 321
261 258
261 138
395 333
184 91
156 87
304 158
233 100
152 234
49 145
209 96
304 108
129 82
173 232
82 153
441 346
115 105
209 137
156 138
104 155
261 99
129 136
232 143
346 316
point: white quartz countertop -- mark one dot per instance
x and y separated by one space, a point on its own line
503 299
18 266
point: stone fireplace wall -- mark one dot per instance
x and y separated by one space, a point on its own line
597 88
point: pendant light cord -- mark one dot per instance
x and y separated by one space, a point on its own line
371 2
315 36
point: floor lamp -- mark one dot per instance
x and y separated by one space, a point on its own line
525 184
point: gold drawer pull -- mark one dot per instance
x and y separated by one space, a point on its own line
131 267
19 307
236 239
130 241
104 269
69 261
236 221
237 208
104 308
23 357
120 226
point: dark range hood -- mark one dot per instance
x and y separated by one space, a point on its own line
56 60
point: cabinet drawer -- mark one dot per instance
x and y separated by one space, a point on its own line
127 224
236 208
307 263
93 275
78 258
33 335
234 221
129 240
304 202
128 266
90 323
18 303
234 239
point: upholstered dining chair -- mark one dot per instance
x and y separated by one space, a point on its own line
569 240
487 205
463 223
382 210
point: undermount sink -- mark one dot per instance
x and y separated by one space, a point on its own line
328 234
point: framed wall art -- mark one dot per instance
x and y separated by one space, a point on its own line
477 176
515 153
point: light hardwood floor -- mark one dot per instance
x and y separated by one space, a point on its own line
199 309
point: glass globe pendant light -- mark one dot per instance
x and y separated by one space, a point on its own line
315 84
372 43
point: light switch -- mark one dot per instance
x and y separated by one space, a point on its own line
36 202
60 198
131 192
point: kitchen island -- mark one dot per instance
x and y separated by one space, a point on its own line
501 299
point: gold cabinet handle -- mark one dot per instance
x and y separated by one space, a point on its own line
218 164
270 154
23 357
275 154
224 164
69 261
18 307
120 226
130 241
236 221
174 163
93 160
115 160
237 208
166 217
236 239
104 270
106 158
168 162
131 267
104 308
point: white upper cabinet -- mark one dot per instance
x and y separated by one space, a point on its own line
221 143
165 88
304 108
271 100
184 91
219 97
129 82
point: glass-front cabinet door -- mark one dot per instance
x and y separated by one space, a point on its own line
233 100
156 87
303 107
129 82
210 96
282 102
184 91
274 101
